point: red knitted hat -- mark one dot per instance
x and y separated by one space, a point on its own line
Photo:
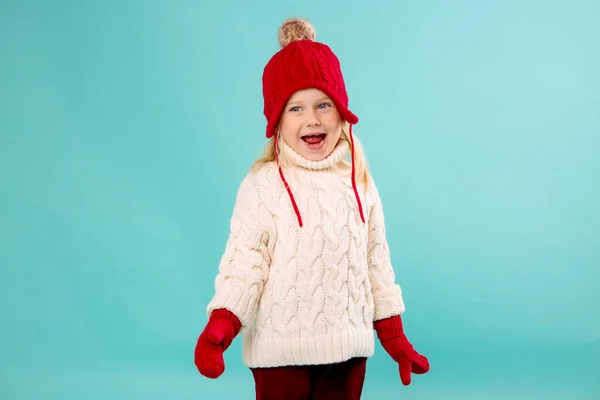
302 63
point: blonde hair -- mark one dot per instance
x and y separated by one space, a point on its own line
360 161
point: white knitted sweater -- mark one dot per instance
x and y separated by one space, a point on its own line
310 294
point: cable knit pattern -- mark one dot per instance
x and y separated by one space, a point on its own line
306 295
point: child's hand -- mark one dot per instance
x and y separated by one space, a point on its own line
394 341
220 331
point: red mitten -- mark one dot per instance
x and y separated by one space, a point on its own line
223 326
391 335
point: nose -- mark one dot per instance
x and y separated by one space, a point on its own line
312 119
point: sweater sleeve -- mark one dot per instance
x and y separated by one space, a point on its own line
387 294
244 265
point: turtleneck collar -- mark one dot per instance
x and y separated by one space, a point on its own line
335 157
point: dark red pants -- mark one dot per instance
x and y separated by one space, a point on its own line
343 381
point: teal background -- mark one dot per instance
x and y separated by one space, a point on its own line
126 127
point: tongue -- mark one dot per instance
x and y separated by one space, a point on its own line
313 139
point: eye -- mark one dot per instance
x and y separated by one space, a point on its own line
323 106
294 109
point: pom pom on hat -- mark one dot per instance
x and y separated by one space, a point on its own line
294 29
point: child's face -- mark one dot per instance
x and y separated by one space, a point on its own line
311 124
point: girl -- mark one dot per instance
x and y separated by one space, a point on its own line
306 273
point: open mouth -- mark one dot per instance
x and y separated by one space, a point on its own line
315 140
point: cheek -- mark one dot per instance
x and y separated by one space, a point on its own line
288 130
333 121
334 127
332 139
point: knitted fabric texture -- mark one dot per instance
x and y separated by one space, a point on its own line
306 295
